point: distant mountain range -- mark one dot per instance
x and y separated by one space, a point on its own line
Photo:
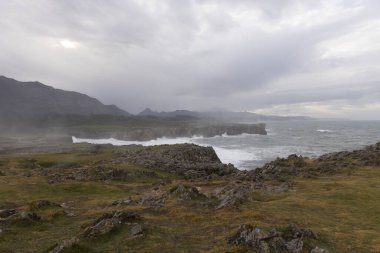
35 99
30 99
219 115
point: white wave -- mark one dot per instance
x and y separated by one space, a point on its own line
324 130
236 157
158 141
225 135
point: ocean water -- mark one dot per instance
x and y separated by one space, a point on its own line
306 138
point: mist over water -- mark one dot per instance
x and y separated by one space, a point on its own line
306 138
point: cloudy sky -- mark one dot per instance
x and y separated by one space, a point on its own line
306 57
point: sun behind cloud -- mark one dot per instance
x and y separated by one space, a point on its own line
68 44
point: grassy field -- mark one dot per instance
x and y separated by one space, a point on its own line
342 209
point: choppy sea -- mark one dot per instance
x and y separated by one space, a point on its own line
306 138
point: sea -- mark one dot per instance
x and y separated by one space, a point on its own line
249 151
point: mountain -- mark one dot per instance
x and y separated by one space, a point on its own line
36 99
220 115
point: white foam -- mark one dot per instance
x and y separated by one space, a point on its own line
325 130
236 157
235 136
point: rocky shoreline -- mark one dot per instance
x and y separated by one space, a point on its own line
101 191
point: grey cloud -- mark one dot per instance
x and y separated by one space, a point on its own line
188 54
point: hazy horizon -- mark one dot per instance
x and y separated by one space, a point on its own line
317 59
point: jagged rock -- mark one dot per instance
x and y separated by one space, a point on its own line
109 221
294 246
7 212
26 216
187 160
136 230
246 234
122 202
291 240
250 236
184 192
293 231
279 169
65 244
155 201
233 193
319 250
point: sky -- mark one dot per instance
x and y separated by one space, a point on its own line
305 57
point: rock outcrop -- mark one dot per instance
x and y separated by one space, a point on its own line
109 221
289 239
136 230
64 245
233 194
187 160
185 192
122 202
319 250
283 169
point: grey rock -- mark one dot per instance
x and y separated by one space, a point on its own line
246 234
154 201
109 221
185 192
291 240
136 230
319 250
65 244
250 236
294 246
122 202
296 232
233 193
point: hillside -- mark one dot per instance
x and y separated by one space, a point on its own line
29 99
